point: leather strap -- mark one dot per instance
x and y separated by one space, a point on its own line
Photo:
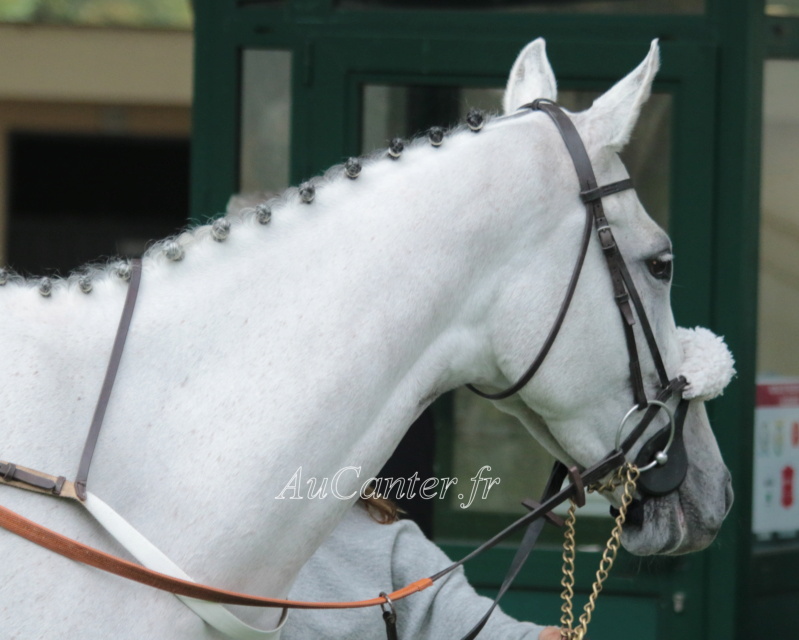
600 192
23 478
526 546
390 618
82 476
591 194
85 554
80 552
589 476
92 557
88 555
588 185
153 558
553 332
645 326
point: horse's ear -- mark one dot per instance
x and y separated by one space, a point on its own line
531 77
616 111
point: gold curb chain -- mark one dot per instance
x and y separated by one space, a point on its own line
627 476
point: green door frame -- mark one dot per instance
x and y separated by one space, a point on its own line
712 64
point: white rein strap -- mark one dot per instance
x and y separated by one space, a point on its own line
153 558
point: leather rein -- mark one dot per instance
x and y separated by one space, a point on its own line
662 456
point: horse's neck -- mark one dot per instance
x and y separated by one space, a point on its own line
366 309
313 342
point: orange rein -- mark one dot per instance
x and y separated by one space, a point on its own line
87 555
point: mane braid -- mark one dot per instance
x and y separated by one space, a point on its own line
118 267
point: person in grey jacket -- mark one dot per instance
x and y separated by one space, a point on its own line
362 558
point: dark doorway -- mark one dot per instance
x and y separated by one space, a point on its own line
76 198
414 457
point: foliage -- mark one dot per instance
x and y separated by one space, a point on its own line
176 14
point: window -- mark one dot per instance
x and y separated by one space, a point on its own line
265 121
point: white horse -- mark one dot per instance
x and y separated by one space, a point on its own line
313 341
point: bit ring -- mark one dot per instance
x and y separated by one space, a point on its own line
661 457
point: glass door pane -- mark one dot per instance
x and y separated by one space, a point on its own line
264 151
776 447
782 7
778 334
776 450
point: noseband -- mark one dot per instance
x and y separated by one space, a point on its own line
666 446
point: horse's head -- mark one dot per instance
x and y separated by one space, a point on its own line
575 402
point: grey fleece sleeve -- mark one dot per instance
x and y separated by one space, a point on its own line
362 558
450 608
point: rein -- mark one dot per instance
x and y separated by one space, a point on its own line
657 477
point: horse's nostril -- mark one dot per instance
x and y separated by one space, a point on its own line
729 496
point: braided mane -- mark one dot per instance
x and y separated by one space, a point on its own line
255 214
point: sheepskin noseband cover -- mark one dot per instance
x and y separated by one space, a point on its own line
707 363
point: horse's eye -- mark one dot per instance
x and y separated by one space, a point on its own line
660 269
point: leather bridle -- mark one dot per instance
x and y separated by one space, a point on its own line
666 445
662 459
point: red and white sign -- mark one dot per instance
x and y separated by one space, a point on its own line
777 394
787 487
776 459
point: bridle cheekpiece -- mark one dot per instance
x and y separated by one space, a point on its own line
665 450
